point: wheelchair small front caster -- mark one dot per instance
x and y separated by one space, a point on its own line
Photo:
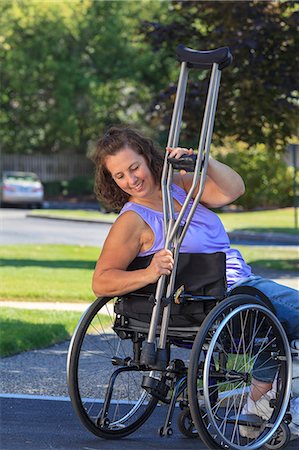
186 425
280 438
167 432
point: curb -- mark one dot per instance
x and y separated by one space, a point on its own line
277 238
69 219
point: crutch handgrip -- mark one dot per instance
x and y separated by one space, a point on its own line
185 162
197 59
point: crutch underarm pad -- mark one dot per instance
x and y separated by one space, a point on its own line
204 59
186 163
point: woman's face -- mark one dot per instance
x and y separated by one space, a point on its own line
131 173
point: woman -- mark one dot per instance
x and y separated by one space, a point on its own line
128 172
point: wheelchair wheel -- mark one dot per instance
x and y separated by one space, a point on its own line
104 383
239 336
280 439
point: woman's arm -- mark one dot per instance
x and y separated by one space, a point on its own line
223 185
121 247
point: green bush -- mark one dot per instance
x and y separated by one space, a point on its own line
268 180
77 186
80 186
52 188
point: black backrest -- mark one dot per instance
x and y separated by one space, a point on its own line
200 273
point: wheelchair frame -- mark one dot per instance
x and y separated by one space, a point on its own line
143 349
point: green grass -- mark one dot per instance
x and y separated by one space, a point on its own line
270 257
275 221
22 330
47 272
63 273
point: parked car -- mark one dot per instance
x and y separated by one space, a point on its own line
21 188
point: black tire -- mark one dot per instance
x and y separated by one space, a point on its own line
280 439
90 367
233 335
186 425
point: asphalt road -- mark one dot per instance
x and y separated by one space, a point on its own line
37 413
16 228
52 424
29 424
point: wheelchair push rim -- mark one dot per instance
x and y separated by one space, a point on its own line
227 372
92 370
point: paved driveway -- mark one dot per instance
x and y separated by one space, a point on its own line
37 413
19 229
44 424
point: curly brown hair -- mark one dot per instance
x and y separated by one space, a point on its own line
116 138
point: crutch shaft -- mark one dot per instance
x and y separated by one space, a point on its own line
174 232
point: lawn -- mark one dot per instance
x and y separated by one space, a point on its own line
275 221
63 273
47 272
22 329
270 257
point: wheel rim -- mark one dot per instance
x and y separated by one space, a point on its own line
94 345
228 403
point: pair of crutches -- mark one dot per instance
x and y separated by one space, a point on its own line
174 232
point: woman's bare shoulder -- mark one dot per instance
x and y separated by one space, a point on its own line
127 227
123 242
129 218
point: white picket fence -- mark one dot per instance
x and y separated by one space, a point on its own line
49 167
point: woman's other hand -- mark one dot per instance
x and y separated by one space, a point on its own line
177 152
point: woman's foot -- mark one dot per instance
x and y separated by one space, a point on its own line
260 408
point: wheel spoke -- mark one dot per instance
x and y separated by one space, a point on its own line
241 338
93 348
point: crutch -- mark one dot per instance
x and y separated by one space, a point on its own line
174 232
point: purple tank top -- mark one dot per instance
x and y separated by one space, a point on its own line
205 234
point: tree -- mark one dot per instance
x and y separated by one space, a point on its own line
70 69
259 92
267 178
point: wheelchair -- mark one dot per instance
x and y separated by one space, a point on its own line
186 342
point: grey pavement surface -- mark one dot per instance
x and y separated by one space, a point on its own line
237 236
16 228
19 226
40 416
53 425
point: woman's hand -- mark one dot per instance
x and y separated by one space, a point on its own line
161 264
177 152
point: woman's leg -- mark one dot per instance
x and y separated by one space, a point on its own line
258 389
286 303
